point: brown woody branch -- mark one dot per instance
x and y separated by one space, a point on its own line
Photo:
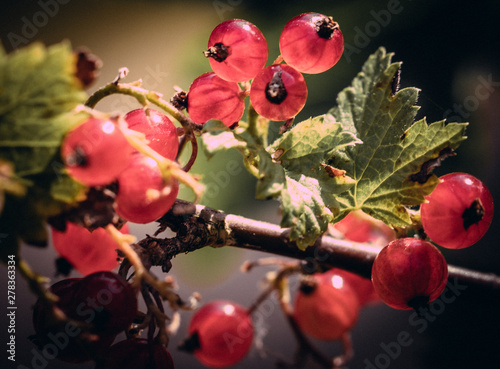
196 226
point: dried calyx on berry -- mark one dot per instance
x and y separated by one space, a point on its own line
275 89
219 52
325 27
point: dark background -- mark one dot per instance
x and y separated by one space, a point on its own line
448 48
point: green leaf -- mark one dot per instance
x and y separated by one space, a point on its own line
392 169
294 169
38 96
308 194
38 91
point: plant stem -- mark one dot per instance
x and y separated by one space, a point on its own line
198 226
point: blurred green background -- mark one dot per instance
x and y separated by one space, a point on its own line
450 50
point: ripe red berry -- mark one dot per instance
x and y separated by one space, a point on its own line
88 252
362 287
71 347
408 273
143 196
326 306
158 129
458 212
278 92
358 226
311 43
96 151
211 97
106 301
237 50
220 334
136 353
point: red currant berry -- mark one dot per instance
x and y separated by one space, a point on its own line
278 92
362 287
358 226
71 347
137 353
408 273
220 334
458 212
106 301
326 306
311 43
237 50
88 252
158 129
96 151
211 97
143 196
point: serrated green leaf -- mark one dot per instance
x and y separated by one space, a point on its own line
394 150
38 91
294 169
38 95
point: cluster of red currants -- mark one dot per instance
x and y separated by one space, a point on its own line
99 307
238 52
411 272
97 153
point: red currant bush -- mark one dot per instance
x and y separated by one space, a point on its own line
311 43
278 92
237 50
136 353
458 212
88 252
408 273
96 152
326 306
158 129
211 97
220 334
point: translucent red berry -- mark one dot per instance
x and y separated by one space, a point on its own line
88 252
220 334
143 195
211 97
409 273
362 287
136 353
96 151
158 129
358 226
278 92
311 43
458 212
326 306
237 50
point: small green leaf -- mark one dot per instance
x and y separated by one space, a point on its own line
394 149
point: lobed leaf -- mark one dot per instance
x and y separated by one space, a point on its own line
38 95
390 168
